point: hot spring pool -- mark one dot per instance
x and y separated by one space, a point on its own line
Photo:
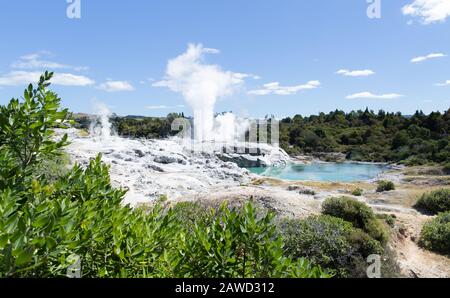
338 172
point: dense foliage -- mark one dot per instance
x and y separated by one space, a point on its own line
435 234
342 238
435 201
359 214
48 222
135 126
367 136
330 242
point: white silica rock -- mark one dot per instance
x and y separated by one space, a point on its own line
150 169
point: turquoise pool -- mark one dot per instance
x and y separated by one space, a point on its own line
338 172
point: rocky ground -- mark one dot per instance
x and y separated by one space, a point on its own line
150 169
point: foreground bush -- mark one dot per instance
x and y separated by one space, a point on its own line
48 222
435 234
357 213
330 242
238 244
435 201
385 186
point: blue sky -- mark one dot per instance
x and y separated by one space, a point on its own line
118 50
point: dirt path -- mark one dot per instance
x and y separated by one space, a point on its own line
414 261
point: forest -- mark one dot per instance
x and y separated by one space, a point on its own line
367 136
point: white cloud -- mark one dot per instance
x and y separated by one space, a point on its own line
275 88
355 73
427 57
246 75
369 95
446 83
17 78
67 79
116 86
164 107
34 61
428 11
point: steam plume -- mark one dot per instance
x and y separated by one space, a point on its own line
201 85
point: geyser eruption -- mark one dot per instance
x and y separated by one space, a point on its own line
101 127
201 85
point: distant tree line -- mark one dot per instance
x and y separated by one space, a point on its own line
135 126
369 136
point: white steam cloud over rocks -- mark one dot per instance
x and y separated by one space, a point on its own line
202 85
152 168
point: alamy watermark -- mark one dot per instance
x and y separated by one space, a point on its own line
73 9
74 270
374 9
374 268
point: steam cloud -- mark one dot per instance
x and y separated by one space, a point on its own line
201 85
101 128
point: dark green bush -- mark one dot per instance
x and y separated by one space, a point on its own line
435 234
385 186
446 168
331 243
365 244
357 192
357 213
388 218
435 201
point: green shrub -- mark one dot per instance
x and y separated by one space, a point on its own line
190 213
435 234
365 244
446 168
54 167
323 240
357 213
385 186
357 192
388 218
331 243
435 201
237 244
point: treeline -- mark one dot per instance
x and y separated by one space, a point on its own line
145 127
369 136
135 126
